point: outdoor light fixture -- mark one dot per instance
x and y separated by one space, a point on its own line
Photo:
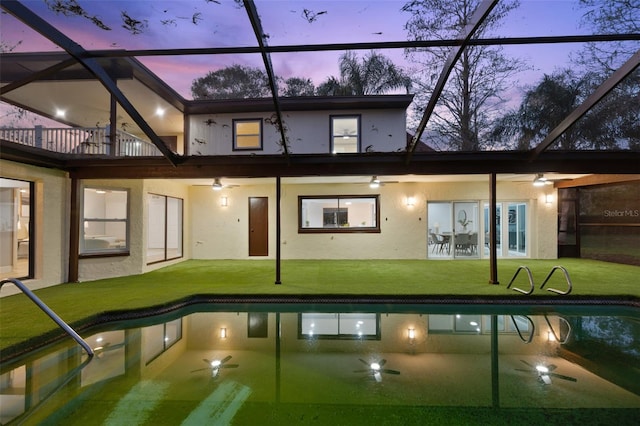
550 336
60 113
224 201
223 333
411 332
217 186
540 180
411 202
375 182
160 112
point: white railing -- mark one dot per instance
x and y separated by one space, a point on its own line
81 141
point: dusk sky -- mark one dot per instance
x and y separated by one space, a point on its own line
201 23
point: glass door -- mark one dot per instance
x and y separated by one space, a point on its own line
465 237
440 226
453 229
487 229
517 229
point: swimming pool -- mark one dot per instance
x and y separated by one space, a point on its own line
338 363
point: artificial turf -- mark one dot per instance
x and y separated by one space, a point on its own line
21 320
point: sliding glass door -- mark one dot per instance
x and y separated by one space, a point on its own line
514 229
164 228
453 229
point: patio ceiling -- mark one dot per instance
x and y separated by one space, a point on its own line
151 69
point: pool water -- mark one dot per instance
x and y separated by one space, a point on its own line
338 364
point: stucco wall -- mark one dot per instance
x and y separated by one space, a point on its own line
308 132
51 224
105 267
222 232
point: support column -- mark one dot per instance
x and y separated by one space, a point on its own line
278 229
495 376
74 232
493 218
113 123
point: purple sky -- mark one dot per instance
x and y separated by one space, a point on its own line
170 24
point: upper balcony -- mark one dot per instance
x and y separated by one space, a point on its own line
82 141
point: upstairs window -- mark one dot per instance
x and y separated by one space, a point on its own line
247 135
345 134
105 222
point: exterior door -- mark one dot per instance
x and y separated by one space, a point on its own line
258 226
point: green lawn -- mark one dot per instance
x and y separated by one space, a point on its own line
21 320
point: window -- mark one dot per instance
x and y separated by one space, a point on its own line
474 324
105 222
345 134
344 326
247 134
164 228
349 213
157 339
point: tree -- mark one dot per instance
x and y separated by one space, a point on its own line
296 86
374 74
236 81
542 109
610 17
548 103
613 123
621 106
241 82
471 99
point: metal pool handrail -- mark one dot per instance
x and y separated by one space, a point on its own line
70 331
566 277
520 268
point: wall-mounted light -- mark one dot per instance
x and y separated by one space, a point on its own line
160 112
223 332
411 332
550 336
548 198
224 201
411 201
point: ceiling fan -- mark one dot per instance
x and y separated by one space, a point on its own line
217 185
375 182
102 348
216 365
375 369
545 372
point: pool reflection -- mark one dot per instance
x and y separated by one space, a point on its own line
181 367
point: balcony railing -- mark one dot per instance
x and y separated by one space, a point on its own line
81 141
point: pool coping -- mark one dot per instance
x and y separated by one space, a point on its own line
543 303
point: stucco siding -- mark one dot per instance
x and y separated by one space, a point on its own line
308 132
51 223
